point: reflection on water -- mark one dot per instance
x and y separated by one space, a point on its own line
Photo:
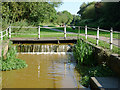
43 71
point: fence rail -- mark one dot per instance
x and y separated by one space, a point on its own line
8 33
2 33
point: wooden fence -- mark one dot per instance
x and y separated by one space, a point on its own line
8 34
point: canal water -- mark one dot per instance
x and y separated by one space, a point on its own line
48 67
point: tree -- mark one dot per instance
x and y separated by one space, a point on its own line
76 19
87 11
31 11
64 17
103 14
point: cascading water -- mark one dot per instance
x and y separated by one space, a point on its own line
45 48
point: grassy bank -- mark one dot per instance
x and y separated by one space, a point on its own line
87 65
104 45
10 62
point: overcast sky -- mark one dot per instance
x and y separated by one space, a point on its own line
72 6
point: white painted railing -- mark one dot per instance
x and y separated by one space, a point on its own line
9 34
97 36
3 34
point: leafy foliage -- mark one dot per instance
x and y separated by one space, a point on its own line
33 12
64 17
75 20
96 71
11 62
83 53
103 14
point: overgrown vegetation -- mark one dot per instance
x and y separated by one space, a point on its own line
103 14
10 62
83 53
94 71
87 65
33 13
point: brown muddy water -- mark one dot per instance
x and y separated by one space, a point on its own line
44 71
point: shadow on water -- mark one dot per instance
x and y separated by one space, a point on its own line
48 67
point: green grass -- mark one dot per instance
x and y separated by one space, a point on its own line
48 32
90 32
103 44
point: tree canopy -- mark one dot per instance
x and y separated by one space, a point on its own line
103 14
31 11
64 17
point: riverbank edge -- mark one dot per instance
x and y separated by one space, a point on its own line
104 56
112 61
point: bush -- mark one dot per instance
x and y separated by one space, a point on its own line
11 62
83 53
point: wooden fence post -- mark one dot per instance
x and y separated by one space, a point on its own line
65 31
86 32
38 32
111 38
79 31
1 35
9 32
97 38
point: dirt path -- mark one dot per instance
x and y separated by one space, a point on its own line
116 42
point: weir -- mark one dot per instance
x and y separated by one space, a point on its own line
44 48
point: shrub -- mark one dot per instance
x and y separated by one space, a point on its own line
83 53
11 62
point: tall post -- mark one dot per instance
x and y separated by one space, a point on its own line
9 32
1 35
97 38
38 32
86 32
111 38
65 32
79 30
